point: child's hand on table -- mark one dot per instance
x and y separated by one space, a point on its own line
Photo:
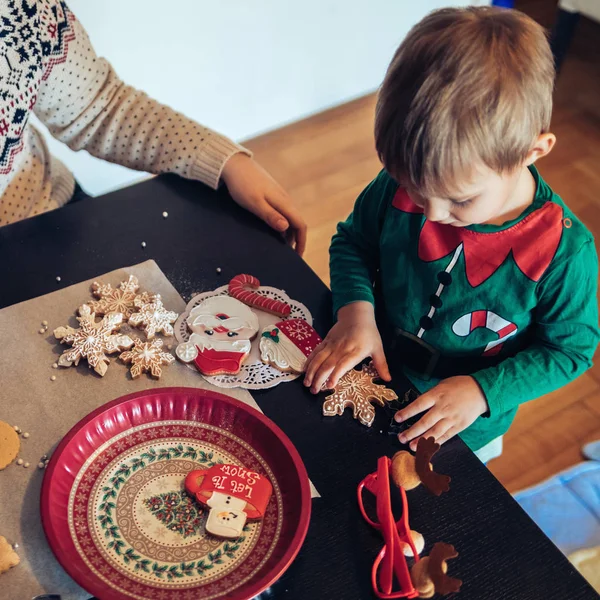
354 337
451 407
255 190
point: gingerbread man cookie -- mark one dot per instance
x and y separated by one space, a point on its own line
8 557
9 444
357 391
222 328
92 341
152 316
288 344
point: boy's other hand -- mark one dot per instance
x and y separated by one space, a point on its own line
255 190
451 407
352 339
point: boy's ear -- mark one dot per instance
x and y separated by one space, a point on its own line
541 147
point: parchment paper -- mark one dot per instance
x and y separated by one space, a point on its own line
48 409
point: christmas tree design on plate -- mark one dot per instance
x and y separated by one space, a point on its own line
177 512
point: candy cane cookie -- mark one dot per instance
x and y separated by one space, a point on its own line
241 288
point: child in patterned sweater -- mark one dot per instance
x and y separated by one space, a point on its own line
483 280
48 66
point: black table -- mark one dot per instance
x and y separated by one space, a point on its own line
503 554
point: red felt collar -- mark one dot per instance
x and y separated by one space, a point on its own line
533 241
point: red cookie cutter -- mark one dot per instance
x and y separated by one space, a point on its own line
235 481
390 562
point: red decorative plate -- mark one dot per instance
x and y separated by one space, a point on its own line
119 521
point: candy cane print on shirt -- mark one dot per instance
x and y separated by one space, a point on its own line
504 329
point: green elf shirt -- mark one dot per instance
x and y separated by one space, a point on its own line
522 294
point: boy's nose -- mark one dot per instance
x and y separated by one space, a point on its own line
434 211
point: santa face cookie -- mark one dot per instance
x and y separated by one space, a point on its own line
222 330
287 345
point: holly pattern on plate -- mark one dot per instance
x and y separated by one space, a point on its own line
165 509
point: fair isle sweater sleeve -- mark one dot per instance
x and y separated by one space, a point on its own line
84 104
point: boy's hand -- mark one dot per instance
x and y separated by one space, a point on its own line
255 190
354 337
451 407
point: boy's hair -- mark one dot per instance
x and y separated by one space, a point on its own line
466 86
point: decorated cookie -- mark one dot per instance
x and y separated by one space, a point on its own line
242 288
233 494
357 391
152 316
92 341
9 446
147 357
288 344
120 300
8 557
222 329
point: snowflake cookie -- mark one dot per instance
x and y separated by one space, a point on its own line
152 316
120 300
92 341
147 357
357 391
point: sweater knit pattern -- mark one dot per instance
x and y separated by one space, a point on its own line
48 66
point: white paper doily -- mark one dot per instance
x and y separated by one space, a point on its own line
254 374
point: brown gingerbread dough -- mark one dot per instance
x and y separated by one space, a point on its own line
9 444
8 557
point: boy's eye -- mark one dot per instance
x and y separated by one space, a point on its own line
462 202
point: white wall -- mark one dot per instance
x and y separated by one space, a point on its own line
242 67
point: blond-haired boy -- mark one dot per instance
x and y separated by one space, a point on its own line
483 279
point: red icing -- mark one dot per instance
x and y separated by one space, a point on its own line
533 241
301 334
235 481
238 290
214 362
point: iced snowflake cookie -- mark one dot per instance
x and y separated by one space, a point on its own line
147 357
222 328
287 345
9 444
152 316
8 557
120 300
92 341
357 390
